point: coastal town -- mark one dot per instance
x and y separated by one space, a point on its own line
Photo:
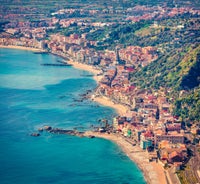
145 120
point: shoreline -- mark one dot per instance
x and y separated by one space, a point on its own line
119 108
86 67
21 48
153 172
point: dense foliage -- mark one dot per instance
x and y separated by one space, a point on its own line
188 106
192 78
123 34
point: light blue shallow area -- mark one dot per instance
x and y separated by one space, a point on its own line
33 95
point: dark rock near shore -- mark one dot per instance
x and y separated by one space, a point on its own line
60 131
91 136
35 134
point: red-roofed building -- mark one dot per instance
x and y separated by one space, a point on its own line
175 157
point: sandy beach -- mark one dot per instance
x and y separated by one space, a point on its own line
153 172
121 109
21 48
88 68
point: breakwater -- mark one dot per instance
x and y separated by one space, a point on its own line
52 64
52 130
56 131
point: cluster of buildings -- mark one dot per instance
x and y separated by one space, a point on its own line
173 153
77 47
154 134
33 30
148 13
149 122
136 55
150 125
63 18
25 42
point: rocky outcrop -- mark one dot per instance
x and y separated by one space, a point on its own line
47 128
35 134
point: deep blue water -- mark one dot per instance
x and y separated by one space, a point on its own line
31 96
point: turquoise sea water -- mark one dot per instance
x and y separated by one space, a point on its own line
31 96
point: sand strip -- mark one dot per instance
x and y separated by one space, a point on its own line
121 109
21 48
153 172
88 68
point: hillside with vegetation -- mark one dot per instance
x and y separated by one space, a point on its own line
179 74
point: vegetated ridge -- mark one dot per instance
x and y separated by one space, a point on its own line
179 75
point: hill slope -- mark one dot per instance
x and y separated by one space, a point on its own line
180 74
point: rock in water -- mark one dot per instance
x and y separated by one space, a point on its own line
35 134
91 136
40 129
47 128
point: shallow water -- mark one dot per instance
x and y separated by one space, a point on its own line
31 96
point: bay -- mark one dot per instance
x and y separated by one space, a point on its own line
33 95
